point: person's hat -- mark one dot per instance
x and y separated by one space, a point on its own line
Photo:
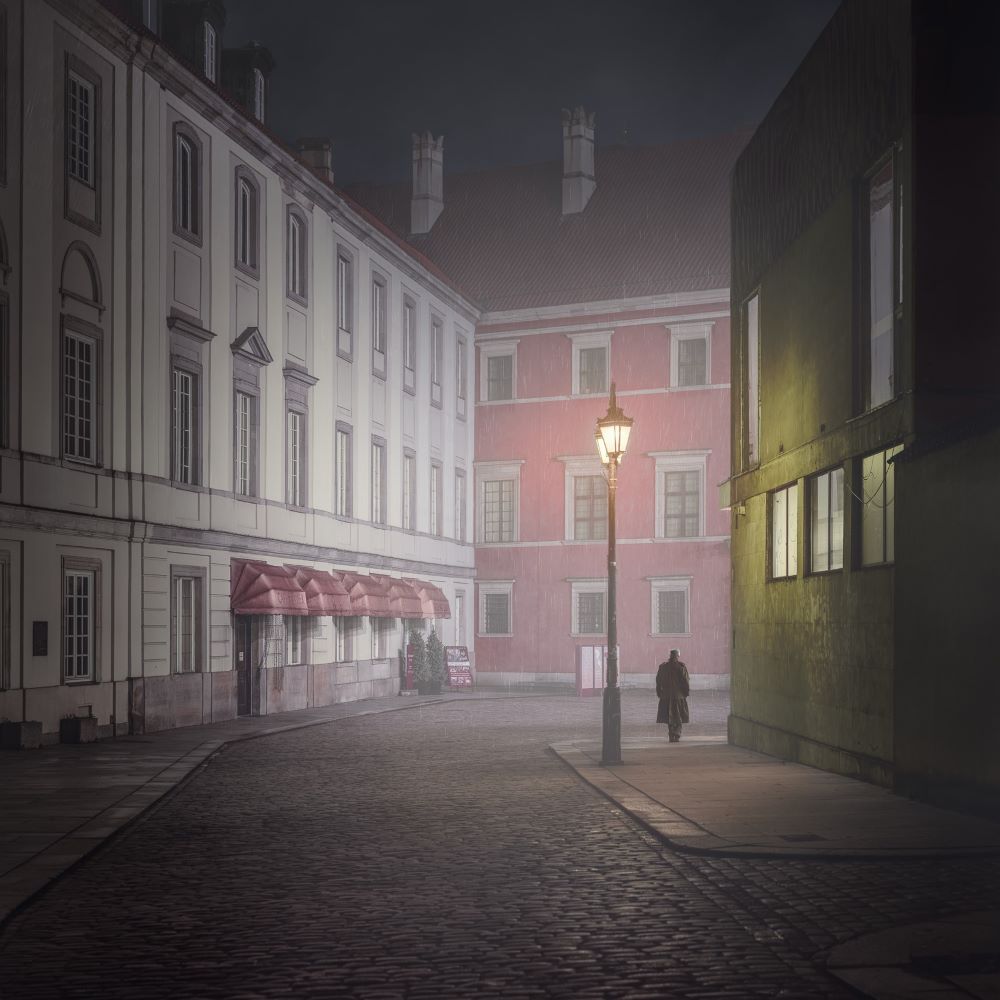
677 651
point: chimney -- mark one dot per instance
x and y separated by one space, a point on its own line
317 155
578 160
427 199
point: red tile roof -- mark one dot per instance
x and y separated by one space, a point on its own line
658 222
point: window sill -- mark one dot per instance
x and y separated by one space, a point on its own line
247 270
670 635
188 487
300 300
188 235
782 579
79 681
494 635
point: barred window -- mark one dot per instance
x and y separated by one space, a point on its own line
496 614
590 608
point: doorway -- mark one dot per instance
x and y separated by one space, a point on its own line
242 663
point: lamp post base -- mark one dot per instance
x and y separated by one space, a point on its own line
611 730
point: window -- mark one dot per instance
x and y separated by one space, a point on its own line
461 376
459 620
258 95
460 503
589 604
246 223
382 629
79 392
689 354
498 510
80 129
495 608
680 493
379 331
591 362
671 597
343 472
826 521
185 623
79 620
590 508
752 365
497 370
378 481
437 360
784 532
878 501
296 265
437 500
185 184
5 613
409 490
183 426
210 53
246 444
345 305
881 273
347 629
409 345
295 459
294 640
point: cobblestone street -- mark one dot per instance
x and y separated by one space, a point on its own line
443 851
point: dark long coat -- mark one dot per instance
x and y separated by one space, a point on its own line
672 688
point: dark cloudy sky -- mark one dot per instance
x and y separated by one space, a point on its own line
492 76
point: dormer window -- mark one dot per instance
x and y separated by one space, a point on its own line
258 95
211 48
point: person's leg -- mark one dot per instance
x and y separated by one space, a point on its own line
675 732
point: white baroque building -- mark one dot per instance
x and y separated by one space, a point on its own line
225 388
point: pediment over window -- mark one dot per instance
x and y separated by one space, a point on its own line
250 344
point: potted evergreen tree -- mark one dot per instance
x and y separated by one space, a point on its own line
421 667
435 661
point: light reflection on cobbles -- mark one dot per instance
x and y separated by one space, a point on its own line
442 852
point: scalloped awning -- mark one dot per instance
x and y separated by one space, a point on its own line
432 599
262 589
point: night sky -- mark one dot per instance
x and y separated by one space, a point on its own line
493 76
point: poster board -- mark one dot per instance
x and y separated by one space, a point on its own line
458 667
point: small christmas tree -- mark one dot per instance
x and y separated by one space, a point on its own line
421 667
435 658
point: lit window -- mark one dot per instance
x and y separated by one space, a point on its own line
671 598
752 366
878 503
784 532
185 614
826 521
182 439
210 52
379 331
590 508
80 133
495 608
79 396
78 624
409 346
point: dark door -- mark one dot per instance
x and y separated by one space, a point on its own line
243 653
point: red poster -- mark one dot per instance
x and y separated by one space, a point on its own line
459 667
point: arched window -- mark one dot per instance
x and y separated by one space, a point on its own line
246 222
296 249
187 191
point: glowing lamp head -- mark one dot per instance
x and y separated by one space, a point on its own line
613 430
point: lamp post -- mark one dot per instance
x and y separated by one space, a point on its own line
612 435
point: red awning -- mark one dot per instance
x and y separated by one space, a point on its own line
368 596
432 599
403 599
261 589
325 594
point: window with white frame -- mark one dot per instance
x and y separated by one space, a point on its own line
346 631
752 368
877 499
680 494
378 482
79 397
345 305
495 611
497 487
343 471
185 622
437 499
184 423
590 508
296 259
246 223
210 53
79 624
186 186
295 458
826 521
246 444
689 355
295 645
589 599
671 605
80 129
460 504
459 619
381 633
258 95
461 376
409 490
497 370
437 359
409 345
380 332
591 362
784 532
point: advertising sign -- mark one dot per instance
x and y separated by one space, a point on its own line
458 666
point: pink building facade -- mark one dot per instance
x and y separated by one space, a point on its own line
541 498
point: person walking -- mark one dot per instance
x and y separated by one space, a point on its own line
672 688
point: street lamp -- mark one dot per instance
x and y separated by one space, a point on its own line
612 435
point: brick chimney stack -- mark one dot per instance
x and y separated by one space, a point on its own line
427 199
317 154
578 181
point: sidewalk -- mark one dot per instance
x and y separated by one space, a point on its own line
62 802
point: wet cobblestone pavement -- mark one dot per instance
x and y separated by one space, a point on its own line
444 852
